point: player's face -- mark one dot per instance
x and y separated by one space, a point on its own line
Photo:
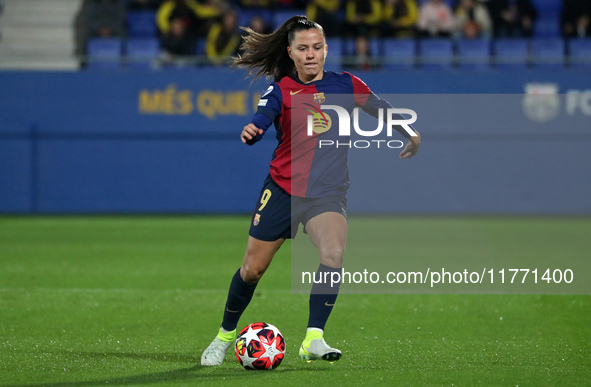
308 51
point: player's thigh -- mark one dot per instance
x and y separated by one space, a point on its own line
271 218
328 232
258 257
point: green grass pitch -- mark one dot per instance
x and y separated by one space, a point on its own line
131 301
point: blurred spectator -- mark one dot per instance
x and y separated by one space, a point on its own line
105 18
198 17
143 5
363 17
223 39
257 24
178 43
575 18
98 19
325 13
473 20
436 19
362 59
400 18
513 18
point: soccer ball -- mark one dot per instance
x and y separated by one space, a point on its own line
260 346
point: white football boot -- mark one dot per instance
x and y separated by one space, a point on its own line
315 348
216 351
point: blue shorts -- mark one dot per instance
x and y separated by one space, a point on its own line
278 214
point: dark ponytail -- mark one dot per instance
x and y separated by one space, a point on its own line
267 54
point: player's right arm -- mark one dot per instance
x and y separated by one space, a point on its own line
268 109
250 132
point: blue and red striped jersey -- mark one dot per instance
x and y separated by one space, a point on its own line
299 165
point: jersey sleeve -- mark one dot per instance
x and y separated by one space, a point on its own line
360 90
269 107
371 103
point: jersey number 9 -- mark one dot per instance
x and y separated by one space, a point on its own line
265 199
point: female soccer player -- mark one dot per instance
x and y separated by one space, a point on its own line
304 185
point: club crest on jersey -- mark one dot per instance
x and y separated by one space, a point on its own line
319 98
257 219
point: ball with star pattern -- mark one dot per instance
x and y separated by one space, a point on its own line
260 346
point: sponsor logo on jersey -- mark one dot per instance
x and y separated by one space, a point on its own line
295 92
319 122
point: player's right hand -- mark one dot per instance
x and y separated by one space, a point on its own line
250 132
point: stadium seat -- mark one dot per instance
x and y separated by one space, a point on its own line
335 46
200 46
399 54
104 54
547 53
511 53
547 25
334 59
246 14
279 17
547 5
348 46
473 54
579 51
141 24
376 48
451 3
142 53
200 51
436 54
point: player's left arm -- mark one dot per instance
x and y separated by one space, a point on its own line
371 103
412 146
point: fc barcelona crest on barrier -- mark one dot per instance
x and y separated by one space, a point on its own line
541 102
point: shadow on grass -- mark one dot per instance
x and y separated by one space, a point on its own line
196 373
160 357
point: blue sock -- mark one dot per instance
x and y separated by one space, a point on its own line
239 297
322 296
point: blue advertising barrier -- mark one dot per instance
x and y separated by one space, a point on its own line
168 142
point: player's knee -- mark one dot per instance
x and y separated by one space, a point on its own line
251 272
332 255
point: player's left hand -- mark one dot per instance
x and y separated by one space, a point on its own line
412 147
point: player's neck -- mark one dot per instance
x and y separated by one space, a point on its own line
315 78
